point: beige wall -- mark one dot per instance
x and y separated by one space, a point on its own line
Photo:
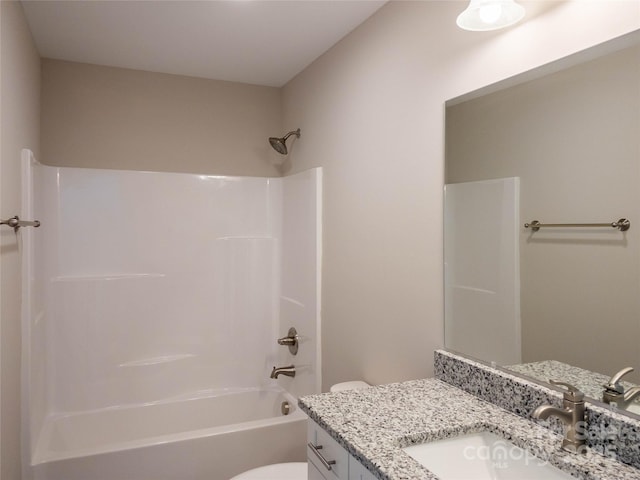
19 97
105 117
573 139
372 111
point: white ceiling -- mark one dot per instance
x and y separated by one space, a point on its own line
263 42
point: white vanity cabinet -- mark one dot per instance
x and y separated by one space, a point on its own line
357 471
327 460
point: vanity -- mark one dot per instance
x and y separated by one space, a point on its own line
365 431
328 459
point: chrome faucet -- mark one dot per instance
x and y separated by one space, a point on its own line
289 371
572 415
614 391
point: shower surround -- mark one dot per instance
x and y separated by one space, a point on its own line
152 288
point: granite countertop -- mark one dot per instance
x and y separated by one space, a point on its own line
591 383
374 424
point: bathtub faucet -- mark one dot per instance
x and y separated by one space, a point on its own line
289 371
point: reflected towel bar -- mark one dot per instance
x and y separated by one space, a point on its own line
16 223
623 225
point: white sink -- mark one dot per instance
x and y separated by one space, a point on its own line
482 456
634 408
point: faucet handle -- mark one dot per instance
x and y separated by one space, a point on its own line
573 394
291 340
614 382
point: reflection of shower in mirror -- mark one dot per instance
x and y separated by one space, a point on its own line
569 132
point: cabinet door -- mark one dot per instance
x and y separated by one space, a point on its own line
313 472
357 471
326 454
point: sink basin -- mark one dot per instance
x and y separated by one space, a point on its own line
481 456
634 408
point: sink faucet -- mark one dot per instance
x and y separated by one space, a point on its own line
572 415
615 392
289 371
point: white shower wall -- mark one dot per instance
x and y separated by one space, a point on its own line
158 286
482 269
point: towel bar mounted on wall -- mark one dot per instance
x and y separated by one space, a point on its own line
16 223
623 225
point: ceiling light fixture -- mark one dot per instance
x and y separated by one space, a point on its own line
483 15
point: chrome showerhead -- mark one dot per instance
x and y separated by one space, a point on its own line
280 145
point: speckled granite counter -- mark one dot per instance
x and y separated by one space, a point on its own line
590 383
608 432
375 423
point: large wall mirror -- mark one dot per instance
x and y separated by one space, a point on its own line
560 146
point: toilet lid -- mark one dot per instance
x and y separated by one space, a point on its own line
277 471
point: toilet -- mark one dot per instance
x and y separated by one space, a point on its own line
293 470
277 471
353 385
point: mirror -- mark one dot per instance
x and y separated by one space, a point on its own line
560 145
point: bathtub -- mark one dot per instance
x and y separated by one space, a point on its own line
211 436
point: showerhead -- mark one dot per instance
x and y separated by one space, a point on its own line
280 145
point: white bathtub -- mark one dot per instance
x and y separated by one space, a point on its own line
212 437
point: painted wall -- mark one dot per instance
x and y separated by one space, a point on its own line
372 110
20 100
572 138
105 117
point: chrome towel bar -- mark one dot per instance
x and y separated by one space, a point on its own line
16 223
623 225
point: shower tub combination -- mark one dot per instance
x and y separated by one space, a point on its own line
153 305
213 437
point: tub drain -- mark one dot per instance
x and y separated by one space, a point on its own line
285 408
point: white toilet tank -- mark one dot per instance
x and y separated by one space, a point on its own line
353 385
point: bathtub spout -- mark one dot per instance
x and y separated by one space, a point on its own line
289 371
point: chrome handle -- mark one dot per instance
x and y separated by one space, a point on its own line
327 463
16 223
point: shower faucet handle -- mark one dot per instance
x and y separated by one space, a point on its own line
291 340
